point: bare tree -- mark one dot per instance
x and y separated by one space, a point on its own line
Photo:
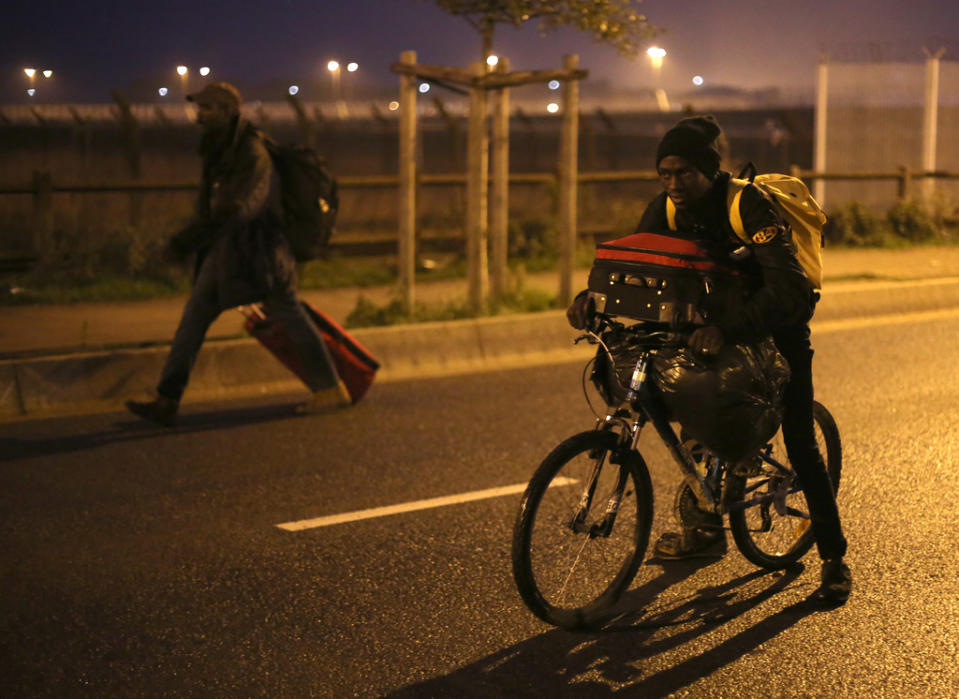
614 22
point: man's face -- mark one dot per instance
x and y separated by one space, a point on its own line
213 116
683 183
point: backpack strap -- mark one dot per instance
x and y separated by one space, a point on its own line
733 196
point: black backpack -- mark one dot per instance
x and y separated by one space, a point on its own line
310 198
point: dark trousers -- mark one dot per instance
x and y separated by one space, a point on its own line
202 309
800 438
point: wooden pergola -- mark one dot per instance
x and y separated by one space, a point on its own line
487 208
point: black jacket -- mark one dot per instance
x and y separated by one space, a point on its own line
779 295
238 218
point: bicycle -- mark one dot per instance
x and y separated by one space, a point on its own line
584 521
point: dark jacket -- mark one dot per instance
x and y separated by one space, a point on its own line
238 218
779 295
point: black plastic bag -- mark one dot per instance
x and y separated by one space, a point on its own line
732 402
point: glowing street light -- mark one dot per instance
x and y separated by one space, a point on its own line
333 66
162 92
424 88
352 67
492 60
31 91
293 89
656 55
697 80
182 70
30 72
394 105
553 84
552 107
48 73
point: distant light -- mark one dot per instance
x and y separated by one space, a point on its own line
162 92
48 73
552 107
205 71
352 67
182 70
293 89
31 92
333 66
394 105
553 84
30 72
492 60
697 80
656 52
424 88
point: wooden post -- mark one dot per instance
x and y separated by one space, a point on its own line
819 152
477 164
406 266
568 182
42 213
905 183
499 194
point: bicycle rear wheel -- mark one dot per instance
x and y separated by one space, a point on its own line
575 550
777 532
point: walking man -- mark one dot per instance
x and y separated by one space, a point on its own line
241 257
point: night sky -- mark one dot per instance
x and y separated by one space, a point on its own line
102 44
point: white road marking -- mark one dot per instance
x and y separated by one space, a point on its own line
827 326
302 524
830 288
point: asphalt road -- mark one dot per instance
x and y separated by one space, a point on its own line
142 562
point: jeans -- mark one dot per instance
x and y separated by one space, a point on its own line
800 438
202 309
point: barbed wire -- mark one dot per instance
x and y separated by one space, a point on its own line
891 51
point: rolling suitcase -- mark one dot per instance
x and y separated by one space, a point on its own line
658 278
354 363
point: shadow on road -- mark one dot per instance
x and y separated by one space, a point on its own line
129 429
610 660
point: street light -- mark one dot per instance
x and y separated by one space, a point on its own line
656 56
48 73
184 74
162 92
352 67
492 60
205 71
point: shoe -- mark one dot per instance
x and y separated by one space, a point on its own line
161 411
326 400
836 581
690 543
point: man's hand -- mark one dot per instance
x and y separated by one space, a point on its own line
579 311
707 340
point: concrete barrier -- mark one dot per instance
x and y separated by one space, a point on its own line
101 381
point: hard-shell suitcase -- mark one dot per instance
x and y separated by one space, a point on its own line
354 363
657 278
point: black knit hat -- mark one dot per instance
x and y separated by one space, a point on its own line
696 140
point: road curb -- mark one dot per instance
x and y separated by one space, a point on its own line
101 381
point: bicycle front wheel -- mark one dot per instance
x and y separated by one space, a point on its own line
776 532
582 529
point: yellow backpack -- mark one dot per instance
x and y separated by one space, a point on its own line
795 204
797 207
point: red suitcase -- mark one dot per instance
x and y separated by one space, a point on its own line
354 363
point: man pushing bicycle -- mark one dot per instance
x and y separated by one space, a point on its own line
780 303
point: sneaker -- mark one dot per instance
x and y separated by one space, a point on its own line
836 581
326 400
161 411
690 543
